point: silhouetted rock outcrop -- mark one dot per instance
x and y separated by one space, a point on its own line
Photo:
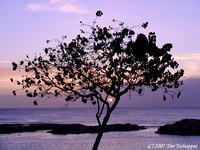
15 128
183 127
65 128
78 128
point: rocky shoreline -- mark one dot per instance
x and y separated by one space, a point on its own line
65 128
182 127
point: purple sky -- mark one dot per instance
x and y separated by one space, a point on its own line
26 25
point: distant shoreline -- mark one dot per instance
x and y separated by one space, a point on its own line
65 128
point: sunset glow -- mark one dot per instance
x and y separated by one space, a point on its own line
110 100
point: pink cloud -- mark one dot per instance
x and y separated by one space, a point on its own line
64 6
190 63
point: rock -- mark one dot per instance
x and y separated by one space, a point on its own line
16 128
183 127
94 129
123 127
70 129
65 128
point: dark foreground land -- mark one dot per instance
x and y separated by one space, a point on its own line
65 128
183 127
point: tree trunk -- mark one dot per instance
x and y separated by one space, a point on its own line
105 121
101 131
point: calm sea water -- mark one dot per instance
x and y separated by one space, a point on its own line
134 140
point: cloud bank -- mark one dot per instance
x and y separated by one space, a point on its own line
190 63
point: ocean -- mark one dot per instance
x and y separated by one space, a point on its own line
146 139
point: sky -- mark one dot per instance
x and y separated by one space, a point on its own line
25 25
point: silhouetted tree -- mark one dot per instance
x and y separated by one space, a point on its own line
107 63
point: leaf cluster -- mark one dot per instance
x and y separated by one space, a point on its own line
110 60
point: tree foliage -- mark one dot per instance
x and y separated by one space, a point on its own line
105 62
